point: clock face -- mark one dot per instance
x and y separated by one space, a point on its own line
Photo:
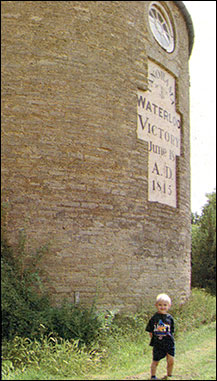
161 26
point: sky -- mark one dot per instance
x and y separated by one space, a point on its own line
202 65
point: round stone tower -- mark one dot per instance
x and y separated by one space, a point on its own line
96 145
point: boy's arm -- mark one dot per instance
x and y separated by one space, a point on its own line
150 327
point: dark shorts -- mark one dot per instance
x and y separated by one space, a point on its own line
160 353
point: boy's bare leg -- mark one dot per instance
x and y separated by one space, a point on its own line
170 363
154 365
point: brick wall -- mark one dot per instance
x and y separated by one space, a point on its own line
73 170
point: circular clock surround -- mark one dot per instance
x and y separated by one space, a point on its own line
161 26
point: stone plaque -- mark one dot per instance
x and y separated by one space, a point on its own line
159 124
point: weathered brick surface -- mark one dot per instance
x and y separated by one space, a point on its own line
73 171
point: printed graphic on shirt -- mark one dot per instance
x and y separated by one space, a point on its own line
161 329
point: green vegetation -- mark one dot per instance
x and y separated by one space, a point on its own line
196 354
23 298
120 347
26 308
44 342
204 246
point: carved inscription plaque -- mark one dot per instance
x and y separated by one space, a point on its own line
159 124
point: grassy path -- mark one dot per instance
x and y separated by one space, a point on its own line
195 359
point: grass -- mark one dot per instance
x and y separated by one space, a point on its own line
195 359
195 355
124 352
202 353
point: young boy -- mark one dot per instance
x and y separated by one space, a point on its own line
161 330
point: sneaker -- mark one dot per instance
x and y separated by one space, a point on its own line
153 378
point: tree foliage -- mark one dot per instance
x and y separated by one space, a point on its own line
204 246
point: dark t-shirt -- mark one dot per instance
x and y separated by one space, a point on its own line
162 328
